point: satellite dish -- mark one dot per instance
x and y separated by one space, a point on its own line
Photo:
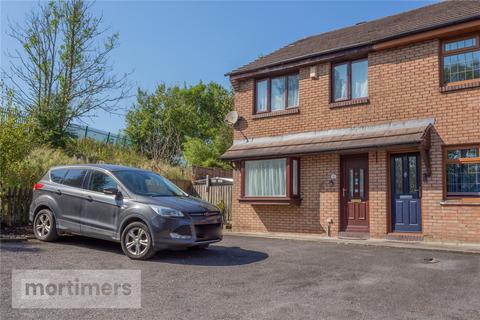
231 117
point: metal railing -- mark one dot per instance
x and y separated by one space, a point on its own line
86 132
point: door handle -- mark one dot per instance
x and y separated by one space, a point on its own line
89 198
59 192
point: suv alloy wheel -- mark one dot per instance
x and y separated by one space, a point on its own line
137 241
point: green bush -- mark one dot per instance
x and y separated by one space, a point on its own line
30 169
27 170
16 141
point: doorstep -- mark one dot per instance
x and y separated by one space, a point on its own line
405 236
421 245
349 235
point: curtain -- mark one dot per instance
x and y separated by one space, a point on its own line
265 178
340 76
360 79
295 177
262 95
293 91
278 94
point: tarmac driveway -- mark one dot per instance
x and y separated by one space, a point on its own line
256 278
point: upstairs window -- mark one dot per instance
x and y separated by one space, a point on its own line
350 80
463 171
461 60
274 94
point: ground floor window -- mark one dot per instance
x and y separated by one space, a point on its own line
272 178
463 171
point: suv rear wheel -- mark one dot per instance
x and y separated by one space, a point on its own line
44 226
137 241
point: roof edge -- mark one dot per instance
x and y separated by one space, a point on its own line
318 54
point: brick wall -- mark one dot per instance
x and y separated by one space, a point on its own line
403 84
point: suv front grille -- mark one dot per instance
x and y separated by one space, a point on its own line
204 214
208 231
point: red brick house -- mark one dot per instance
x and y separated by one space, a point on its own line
372 129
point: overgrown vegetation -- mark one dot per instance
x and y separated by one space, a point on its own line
16 138
27 170
24 157
89 151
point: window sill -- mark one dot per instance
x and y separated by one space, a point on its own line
276 113
460 86
270 201
348 103
461 202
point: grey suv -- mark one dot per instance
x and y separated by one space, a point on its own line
139 208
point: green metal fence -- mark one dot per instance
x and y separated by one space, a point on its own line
86 132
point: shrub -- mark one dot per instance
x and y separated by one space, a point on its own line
29 170
16 141
25 172
90 151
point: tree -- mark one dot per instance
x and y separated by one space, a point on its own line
63 72
164 124
207 153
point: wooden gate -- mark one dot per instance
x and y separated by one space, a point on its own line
217 191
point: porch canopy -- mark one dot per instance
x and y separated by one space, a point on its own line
398 133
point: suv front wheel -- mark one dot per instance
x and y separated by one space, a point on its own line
137 241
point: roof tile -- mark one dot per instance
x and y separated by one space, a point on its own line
425 18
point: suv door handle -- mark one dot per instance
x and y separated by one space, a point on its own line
59 192
89 198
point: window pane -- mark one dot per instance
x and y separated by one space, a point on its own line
398 175
461 67
100 181
462 153
360 79
295 177
340 82
462 44
74 178
362 184
293 91
265 177
350 183
412 174
57 175
262 95
463 178
278 94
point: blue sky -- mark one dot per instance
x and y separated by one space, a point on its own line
185 42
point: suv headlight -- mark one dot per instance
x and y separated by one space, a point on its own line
166 212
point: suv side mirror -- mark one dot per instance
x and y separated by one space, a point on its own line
111 191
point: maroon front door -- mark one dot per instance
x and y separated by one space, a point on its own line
354 194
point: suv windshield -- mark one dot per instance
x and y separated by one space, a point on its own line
148 184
